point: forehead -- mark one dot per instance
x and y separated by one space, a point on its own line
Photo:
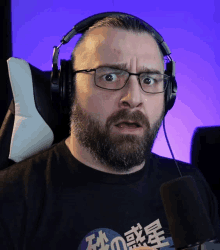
110 45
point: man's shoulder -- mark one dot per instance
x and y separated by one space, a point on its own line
161 161
33 159
39 157
169 168
36 163
30 175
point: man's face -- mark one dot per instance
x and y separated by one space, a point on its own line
95 111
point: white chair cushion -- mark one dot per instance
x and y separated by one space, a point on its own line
30 134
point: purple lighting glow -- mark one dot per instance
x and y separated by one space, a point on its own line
193 37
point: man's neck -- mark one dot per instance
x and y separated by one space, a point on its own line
85 157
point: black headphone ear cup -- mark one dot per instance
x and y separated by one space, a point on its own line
62 80
170 93
65 86
71 84
173 93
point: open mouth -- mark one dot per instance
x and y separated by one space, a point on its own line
128 128
128 125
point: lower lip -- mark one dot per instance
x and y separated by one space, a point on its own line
129 130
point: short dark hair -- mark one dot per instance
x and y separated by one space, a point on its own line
126 23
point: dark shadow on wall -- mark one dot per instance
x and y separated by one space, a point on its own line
5 53
205 151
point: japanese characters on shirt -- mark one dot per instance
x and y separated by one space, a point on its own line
137 236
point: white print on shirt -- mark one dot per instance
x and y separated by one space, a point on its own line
134 238
154 237
101 239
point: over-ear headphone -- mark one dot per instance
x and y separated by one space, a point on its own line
62 86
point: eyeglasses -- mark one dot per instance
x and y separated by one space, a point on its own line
115 79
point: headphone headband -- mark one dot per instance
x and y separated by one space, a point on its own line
83 25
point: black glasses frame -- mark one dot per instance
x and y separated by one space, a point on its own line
89 70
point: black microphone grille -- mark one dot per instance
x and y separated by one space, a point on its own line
187 217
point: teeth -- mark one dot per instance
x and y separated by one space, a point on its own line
123 125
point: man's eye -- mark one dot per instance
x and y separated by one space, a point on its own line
110 77
148 80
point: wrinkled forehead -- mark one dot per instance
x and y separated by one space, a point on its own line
106 44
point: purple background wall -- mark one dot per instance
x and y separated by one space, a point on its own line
190 28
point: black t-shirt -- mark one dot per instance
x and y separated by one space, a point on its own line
53 201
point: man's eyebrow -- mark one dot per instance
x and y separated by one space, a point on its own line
123 66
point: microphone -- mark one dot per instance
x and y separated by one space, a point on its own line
189 223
